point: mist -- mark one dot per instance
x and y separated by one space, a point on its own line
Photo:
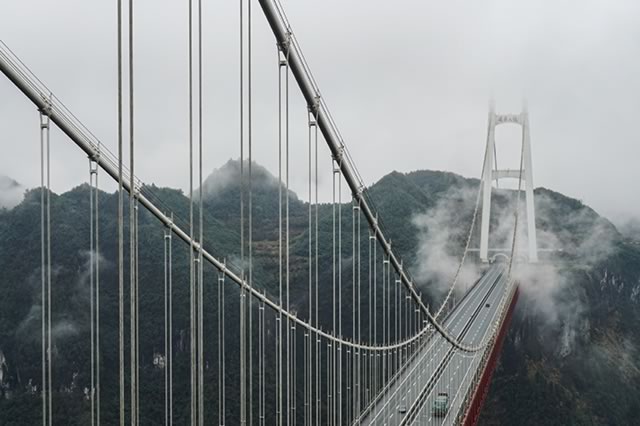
11 192
551 296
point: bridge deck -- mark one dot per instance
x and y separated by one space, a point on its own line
436 367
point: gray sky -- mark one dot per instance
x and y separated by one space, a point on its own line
408 82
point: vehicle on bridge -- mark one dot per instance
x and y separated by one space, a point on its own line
440 404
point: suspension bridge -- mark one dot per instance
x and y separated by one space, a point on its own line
377 354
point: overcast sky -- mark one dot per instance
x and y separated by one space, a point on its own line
407 81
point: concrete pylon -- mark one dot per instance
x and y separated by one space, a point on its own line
490 174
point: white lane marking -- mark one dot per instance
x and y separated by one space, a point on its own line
461 358
453 321
485 314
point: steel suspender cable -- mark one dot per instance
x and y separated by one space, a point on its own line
329 402
94 255
221 355
43 300
261 363
307 369
351 375
97 292
279 388
317 279
48 219
375 312
92 272
370 320
192 307
384 320
91 296
120 223
166 328
398 313
331 385
407 317
132 231
243 360
293 372
250 242
120 228
43 309
171 324
515 228
45 228
137 324
288 253
200 289
339 395
287 236
246 332
307 408
358 307
388 290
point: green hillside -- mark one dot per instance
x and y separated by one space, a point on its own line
570 356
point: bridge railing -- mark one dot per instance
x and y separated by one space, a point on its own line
505 309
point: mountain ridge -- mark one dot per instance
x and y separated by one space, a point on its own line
579 330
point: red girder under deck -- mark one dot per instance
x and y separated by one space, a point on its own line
473 411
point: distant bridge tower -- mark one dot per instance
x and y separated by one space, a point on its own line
490 174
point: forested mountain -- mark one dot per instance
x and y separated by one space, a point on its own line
570 357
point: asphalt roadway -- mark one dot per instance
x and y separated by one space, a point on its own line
437 367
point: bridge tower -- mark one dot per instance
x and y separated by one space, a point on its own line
490 173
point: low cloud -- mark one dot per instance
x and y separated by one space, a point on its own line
442 234
550 294
30 328
11 192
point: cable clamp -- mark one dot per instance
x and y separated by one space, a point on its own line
48 105
339 155
315 107
284 46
